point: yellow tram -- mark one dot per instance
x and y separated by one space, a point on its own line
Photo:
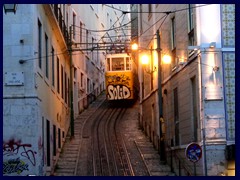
120 77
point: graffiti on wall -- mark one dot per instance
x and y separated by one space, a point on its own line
118 85
118 92
14 166
13 148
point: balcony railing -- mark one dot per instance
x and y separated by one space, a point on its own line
61 22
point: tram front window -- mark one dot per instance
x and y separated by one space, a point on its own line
128 64
117 64
108 64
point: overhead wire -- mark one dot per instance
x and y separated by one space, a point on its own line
164 12
167 13
124 25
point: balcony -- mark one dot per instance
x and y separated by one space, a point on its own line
54 13
61 22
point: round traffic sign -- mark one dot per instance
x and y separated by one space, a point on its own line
193 152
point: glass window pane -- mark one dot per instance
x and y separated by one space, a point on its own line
117 64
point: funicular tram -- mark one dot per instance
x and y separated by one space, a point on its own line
120 77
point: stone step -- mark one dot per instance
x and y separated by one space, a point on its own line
68 159
65 170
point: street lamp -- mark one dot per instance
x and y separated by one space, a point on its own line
145 62
10 8
134 47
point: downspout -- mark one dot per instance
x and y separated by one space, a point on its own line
202 117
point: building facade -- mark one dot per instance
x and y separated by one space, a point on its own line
46 59
197 88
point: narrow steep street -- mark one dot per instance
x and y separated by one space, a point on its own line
130 153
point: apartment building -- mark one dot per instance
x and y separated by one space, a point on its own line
197 96
49 77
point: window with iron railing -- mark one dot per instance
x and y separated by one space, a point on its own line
53 67
46 56
191 24
59 15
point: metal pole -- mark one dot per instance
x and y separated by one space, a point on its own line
162 148
71 87
195 170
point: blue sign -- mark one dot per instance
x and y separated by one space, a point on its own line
193 152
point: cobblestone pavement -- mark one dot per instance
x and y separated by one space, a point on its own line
69 157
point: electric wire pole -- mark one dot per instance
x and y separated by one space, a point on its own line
162 146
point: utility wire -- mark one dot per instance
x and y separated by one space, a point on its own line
111 27
42 57
165 17
164 12
167 13
106 30
124 12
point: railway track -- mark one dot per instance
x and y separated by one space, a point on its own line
107 153
110 157
108 142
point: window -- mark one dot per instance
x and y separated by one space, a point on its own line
65 84
39 44
74 26
108 20
82 79
108 64
62 89
173 41
92 47
43 135
190 17
88 85
173 32
194 108
48 143
128 63
58 80
190 25
141 19
176 116
117 64
54 141
53 68
46 54
149 11
81 28
59 138
68 94
87 33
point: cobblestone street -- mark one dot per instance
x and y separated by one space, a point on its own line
71 161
